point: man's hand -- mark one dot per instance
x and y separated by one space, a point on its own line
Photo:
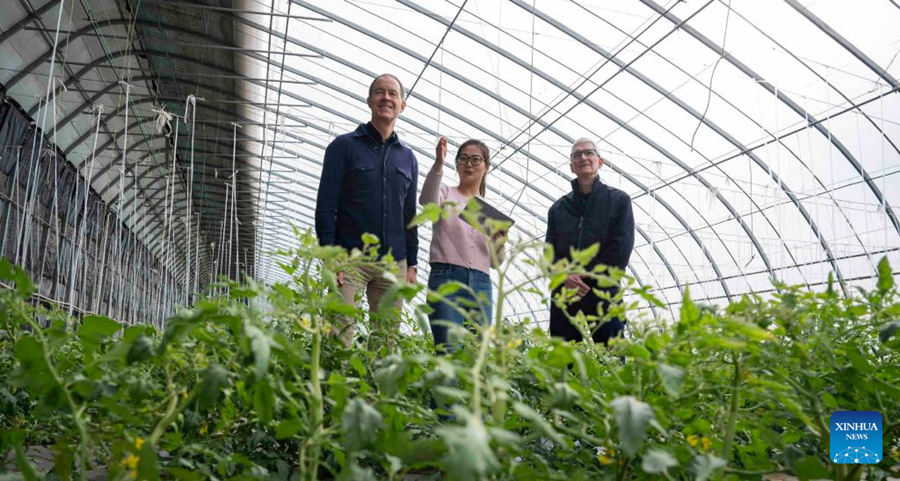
576 282
440 153
411 275
340 279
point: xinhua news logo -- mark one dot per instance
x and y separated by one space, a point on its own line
856 437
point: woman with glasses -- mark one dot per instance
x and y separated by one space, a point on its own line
459 252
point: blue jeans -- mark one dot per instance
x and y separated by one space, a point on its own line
477 281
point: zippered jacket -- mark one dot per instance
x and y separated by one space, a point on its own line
369 186
576 221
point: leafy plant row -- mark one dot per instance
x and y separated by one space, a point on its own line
253 384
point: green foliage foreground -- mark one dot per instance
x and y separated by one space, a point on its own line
253 385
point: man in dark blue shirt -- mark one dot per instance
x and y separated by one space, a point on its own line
368 185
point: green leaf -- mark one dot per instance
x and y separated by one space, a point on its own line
657 461
469 454
369 239
97 327
261 347
388 377
645 294
358 365
148 467
264 401
288 428
94 329
212 380
585 256
811 467
361 423
885 276
141 350
430 213
449 288
538 422
690 314
557 280
388 301
672 378
632 419
704 466
15 274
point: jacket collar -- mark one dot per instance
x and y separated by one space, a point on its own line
368 130
575 190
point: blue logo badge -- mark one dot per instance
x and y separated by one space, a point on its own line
856 437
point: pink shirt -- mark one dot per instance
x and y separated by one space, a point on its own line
453 240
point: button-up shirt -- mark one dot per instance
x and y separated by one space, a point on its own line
368 185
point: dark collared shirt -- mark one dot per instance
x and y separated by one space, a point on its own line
369 186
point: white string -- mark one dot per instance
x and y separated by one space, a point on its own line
119 251
51 75
84 209
190 105
233 219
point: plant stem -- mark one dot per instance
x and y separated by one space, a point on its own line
172 410
317 399
476 370
76 412
733 410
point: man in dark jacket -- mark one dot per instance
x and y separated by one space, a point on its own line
593 212
368 185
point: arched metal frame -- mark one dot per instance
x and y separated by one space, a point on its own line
146 192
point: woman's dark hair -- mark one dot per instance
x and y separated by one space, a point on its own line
487 161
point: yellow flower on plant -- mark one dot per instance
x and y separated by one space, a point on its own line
203 429
305 322
604 460
706 442
692 440
131 461
139 442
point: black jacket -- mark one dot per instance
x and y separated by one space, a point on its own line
576 221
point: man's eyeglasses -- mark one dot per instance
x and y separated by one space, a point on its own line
473 160
583 153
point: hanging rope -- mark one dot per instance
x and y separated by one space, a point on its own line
119 252
233 251
189 107
40 144
163 120
84 210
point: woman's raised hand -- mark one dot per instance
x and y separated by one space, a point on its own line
440 152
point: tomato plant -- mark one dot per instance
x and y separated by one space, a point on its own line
253 384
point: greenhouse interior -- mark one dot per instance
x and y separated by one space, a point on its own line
235 246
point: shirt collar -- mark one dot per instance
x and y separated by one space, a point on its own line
367 129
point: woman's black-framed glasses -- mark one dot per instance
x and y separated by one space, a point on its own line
473 160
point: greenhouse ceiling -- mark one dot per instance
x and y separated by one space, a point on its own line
758 140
